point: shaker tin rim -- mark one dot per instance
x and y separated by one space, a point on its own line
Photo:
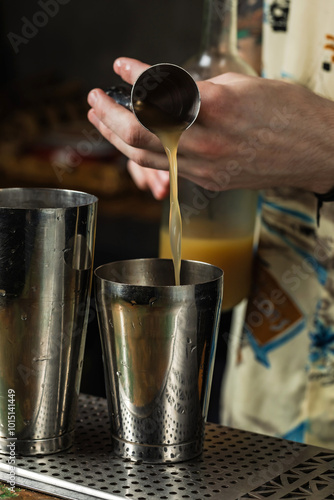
90 198
218 270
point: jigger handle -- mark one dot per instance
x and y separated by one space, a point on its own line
121 95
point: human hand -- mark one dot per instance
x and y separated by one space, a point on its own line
156 181
250 133
122 129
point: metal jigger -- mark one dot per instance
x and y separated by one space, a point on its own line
168 88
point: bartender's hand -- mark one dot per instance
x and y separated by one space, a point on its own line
250 133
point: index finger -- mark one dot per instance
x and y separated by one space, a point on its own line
122 122
129 69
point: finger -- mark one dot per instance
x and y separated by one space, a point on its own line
159 183
155 180
121 121
129 69
138 175
143 157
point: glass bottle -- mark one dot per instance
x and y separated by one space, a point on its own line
218 51
218 227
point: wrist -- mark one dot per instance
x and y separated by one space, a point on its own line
321 154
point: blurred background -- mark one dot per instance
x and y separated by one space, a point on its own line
52 52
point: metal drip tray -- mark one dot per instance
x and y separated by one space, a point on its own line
234 465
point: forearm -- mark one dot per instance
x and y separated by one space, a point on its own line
310 139
321 149
257 133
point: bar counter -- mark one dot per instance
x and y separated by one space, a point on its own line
234 465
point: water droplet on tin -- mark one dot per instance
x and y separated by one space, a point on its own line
194 347
2 293
111 323
119 374
189 341
152 300
24 317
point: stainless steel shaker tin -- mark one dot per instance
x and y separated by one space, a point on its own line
158 345
47 239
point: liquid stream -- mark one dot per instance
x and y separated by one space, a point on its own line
170 142
169 131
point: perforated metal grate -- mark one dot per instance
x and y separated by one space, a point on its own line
235 465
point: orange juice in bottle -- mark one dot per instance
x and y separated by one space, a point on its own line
218 230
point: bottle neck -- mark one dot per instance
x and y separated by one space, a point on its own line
219 30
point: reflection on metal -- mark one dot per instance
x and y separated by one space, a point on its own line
234 465
46 256
158 344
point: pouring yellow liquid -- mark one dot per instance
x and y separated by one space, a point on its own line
231 253
169 132
170 142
